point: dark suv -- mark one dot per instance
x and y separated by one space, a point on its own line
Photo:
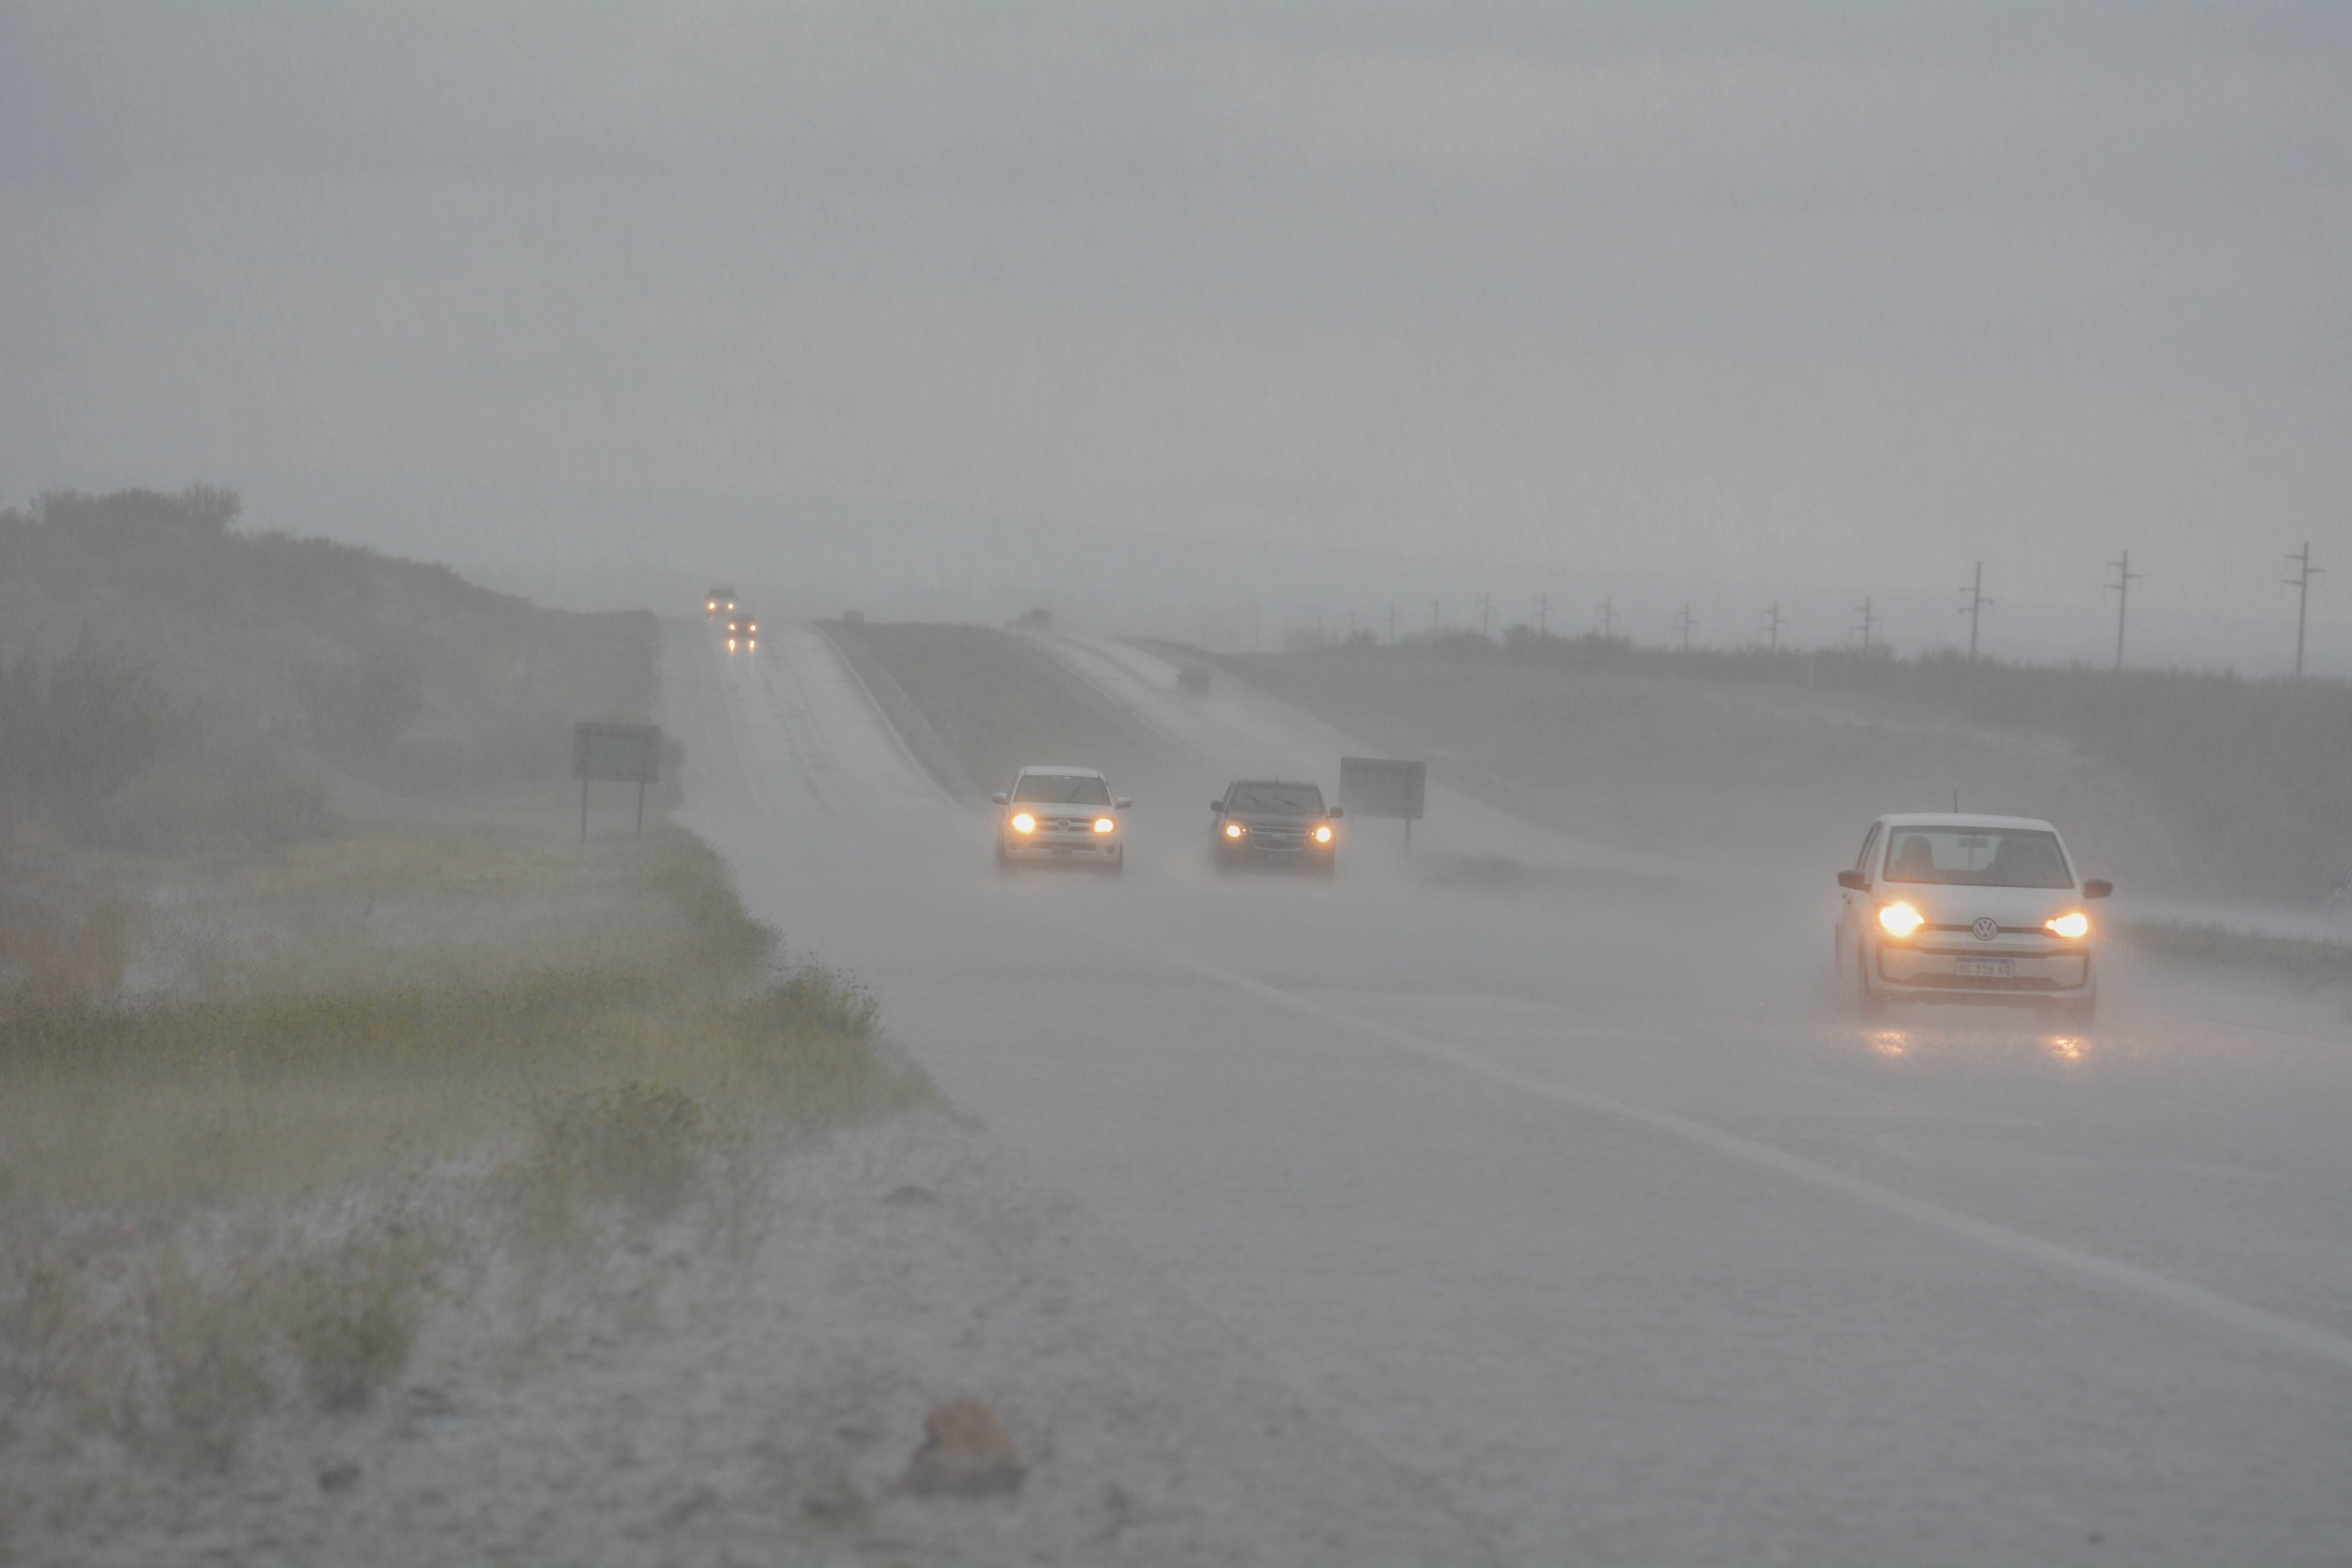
1266 822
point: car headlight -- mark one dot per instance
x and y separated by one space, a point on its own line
1900 920
730 644
2072 926
1323 833
1024 823
1235 830
1106 824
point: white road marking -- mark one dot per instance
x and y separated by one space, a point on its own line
2289 1333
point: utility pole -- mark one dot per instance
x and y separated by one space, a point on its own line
1607 620
1772 625
1975 608
1436 613
1392 623
2301 583
1485 610
2121 589
1870 623
1543 608
1683 623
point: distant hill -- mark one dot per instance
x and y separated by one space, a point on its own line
354 664
2189 784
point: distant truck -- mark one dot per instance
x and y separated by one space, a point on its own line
720 601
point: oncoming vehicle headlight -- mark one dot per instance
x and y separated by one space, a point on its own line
730 644
1900 920
2072 926
1104 824
1024 823
1323 833
1235 830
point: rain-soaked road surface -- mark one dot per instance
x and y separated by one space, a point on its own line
1576 1190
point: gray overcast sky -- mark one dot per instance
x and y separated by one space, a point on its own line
1846 294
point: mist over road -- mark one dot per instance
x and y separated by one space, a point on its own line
1576 1191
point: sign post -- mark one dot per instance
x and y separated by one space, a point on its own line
621 753
1384 786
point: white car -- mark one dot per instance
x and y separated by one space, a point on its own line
1057 814
1959 908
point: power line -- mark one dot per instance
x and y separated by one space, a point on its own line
1974 607
2301 583
1870 624
2121 589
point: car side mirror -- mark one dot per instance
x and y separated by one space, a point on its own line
1218 807
2098 888
1335 813
1124 802
1853 880
1001 798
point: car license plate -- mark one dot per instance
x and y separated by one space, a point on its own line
1063 848
1989 968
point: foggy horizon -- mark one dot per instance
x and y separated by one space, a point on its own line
1818 302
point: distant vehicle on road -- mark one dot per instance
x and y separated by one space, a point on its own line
1194 681
1059 814
1274 823
743 632
721 601
1943 908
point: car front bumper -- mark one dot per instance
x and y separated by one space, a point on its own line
1955 974
1274 848
1082 849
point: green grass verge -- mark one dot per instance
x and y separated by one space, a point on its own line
2299 958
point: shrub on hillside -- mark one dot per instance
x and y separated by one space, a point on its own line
74 731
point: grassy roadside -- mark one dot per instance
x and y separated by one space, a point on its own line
2300 961
370 1075
321 1033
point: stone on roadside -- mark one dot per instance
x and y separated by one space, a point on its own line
967 1452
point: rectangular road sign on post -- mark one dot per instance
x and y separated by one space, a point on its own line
617 753
1384 786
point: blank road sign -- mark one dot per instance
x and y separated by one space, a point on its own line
1382 786
621 753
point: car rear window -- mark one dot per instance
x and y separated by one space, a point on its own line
1283 799
1062 789
1976 857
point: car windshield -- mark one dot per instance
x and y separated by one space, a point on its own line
1283 799
1063 789
1978 857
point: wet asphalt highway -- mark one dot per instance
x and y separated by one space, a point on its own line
1572 1184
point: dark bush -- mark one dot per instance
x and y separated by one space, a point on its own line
76 729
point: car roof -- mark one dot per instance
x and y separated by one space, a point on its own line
1060 768
1958 819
